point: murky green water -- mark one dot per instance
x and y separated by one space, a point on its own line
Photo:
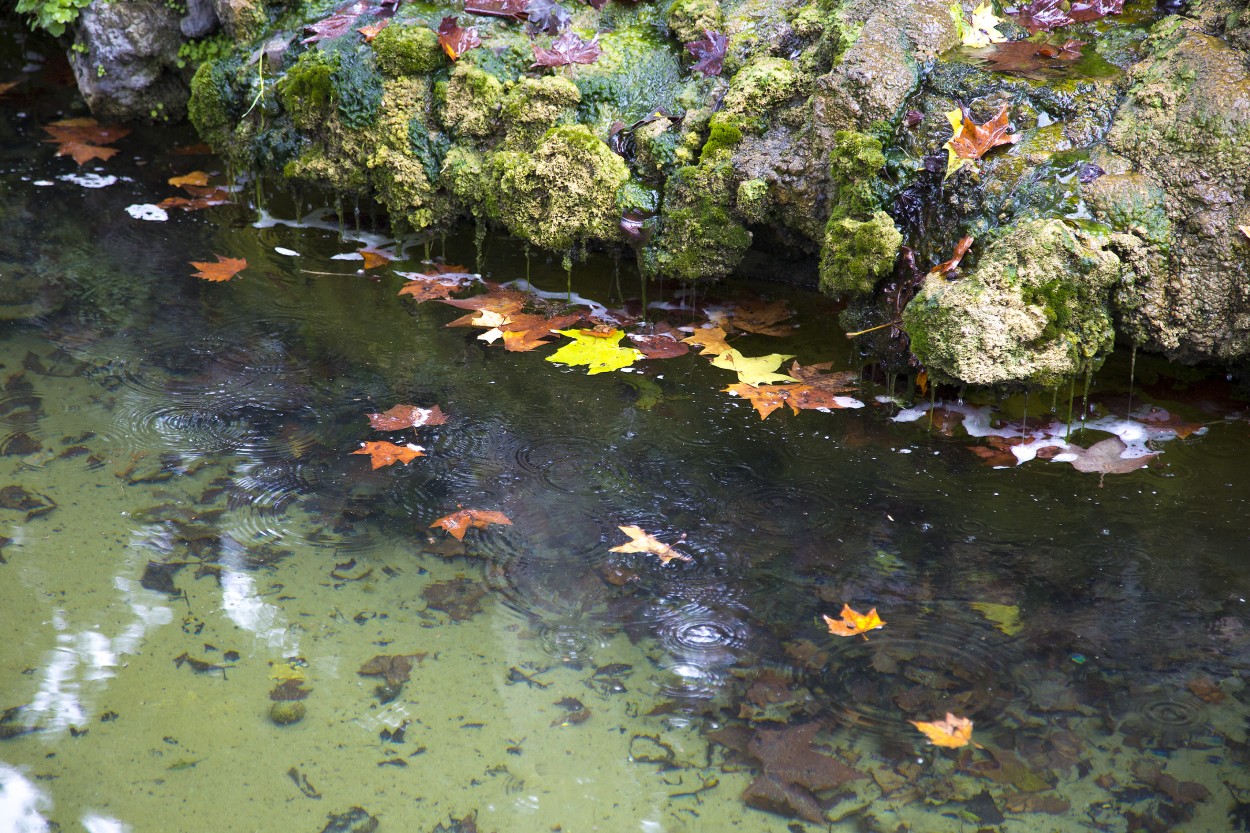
186 530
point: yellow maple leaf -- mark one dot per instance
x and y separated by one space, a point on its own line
853 622
642 541
708 340
1005 617
601 352
982 29
952 732
753 370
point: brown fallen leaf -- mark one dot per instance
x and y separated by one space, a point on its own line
641 541
84 139
395 669
382 453
948 266
1105 457
971 141
458 523
193 178
1028 58
569 48
399 417
455 39
223 270
370 32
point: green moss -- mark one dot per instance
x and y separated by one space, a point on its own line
469 101
759 87
357 84
688 18
635 75
213 107
753 200
326 168
655 149
463 175
535 104
407 50
861 241
633 196
722 135
560 194
858 253
1132 203
307 89
697 236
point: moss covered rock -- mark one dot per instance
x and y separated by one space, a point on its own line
408 50
1034 310
561 193
469 101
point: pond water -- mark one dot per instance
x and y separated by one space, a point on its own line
190 546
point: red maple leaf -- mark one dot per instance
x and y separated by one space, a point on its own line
455 39
710 52
569 48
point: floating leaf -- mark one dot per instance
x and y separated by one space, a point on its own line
193 178
569 48
400 417
202 197
710 340
641 541
373 258
971 140
982 29
459 522
709 51
223 270
754 370
83 139
382 453
456 40
853 622
952 732
1107 457
600 351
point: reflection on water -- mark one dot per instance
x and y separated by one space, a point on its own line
188 549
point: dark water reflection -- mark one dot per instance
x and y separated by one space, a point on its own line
196 442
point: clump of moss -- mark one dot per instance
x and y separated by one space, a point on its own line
861 242
722 135
758 88
407 50
753 200
560 194
688 18
306 90
213 107
357 84
469 101
698 237
634 76
535 104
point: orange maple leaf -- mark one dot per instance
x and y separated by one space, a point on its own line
972 140
853 622
458 522
522 341
84 138
948 266
202 197
371 32
373 258
223 270
952 732
399 417
382 453
642 541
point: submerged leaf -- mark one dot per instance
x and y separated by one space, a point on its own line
1041 15
1005 617
952 732
1026 58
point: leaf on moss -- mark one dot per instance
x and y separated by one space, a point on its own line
971 140
547 16
514 9
709 52
223 270
455 39
569 48
344 18
371 31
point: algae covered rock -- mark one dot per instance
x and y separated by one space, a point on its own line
1185 127
1034 310
560 194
